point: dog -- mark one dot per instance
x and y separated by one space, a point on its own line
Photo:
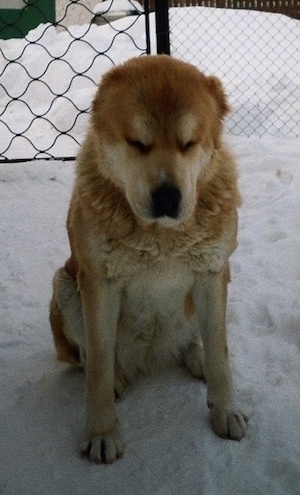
152 223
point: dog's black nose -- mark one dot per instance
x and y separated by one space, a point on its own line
166 201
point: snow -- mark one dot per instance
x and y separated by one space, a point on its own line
170 448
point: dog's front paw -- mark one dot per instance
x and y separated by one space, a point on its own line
104 448
227 423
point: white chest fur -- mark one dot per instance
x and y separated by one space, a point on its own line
161 289
153 326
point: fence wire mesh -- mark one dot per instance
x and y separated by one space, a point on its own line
47 78
44 105
257 56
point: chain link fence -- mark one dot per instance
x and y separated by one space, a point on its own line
256 55
48 76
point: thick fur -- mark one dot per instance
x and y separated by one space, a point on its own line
144 289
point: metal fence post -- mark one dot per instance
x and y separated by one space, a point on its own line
162 26
147 27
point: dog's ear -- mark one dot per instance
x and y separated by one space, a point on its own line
216 88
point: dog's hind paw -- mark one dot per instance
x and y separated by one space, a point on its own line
228 424
103 449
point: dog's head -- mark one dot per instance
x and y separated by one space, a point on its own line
156 122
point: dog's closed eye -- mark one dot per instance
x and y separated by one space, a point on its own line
187 146
139 146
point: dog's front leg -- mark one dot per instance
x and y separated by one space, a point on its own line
226 421
100 304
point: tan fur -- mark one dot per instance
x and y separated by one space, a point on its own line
144 289
66 351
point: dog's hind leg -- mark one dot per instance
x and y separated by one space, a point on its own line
193 359
66 320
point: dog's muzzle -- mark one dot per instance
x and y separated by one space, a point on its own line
166 201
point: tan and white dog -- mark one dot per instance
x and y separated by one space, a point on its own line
152 223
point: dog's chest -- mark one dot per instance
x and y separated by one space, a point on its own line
160 264
158 293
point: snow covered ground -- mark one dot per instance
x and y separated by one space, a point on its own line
170 448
